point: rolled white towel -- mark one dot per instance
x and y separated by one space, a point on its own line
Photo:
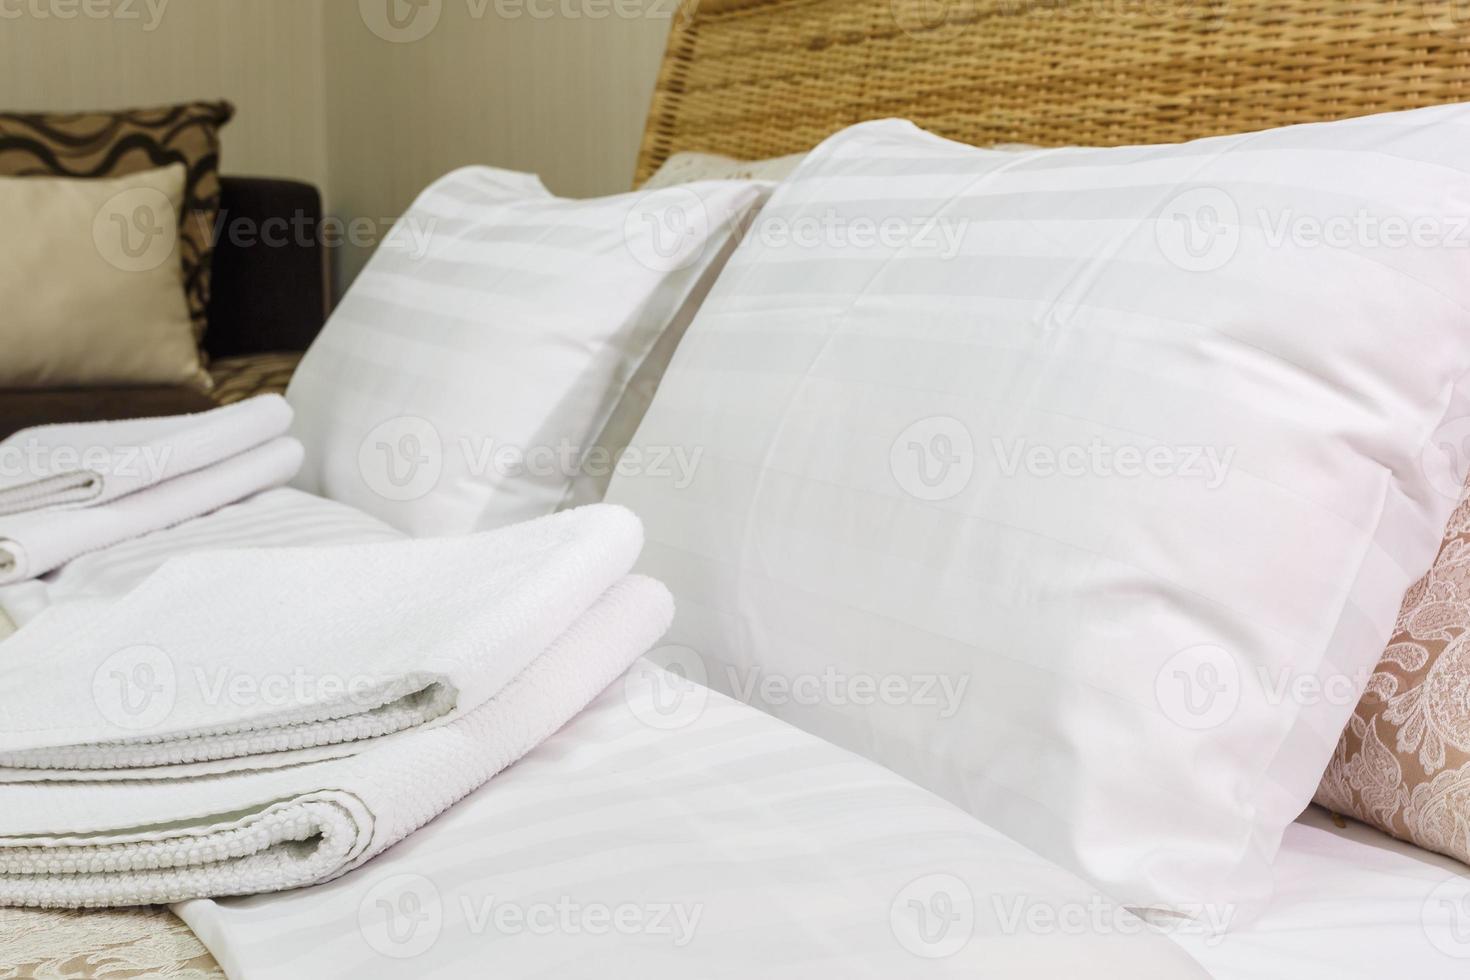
38 541
84 464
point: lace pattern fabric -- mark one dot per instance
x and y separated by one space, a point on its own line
1403 764
108 944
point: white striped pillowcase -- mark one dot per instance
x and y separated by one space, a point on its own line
1137 650
478 358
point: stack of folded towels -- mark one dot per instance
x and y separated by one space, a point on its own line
69 489
256 720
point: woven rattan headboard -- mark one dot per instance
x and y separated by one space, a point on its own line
760 78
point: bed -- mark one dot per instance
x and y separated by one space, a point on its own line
622 806
775 824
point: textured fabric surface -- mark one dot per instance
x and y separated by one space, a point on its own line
1403 764
34 543
81 464
463 381
411 630
714 842
152 942
259 830
1103 440
252 375
118 944
273 519
1351 903
113 144
90 274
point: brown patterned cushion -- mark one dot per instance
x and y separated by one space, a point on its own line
1403 764
239 378
114 144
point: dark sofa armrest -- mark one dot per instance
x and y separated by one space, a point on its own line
269 273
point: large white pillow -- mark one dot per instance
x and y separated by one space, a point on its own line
1080 486
464 380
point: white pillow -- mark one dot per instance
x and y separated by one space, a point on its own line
1087 494
688 166
463 381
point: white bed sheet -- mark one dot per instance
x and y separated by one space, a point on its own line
732 847
1351 903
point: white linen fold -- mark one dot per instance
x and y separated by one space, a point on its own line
82 464
251 720
131 843
38 541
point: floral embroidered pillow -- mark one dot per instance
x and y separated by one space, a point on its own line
1403 764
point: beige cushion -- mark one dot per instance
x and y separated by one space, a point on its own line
121 142
91 282
1403 764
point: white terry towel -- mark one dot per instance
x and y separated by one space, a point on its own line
470 652
36 542
88 463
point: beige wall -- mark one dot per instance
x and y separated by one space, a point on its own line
495 82
263 55
557 87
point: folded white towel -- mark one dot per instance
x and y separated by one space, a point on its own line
136 843
88 463
336 699
269 651
38 541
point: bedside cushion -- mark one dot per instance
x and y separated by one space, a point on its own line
92 284
115 144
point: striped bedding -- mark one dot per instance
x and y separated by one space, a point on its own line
734 846
668 831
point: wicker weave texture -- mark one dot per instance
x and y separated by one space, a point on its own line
761 78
